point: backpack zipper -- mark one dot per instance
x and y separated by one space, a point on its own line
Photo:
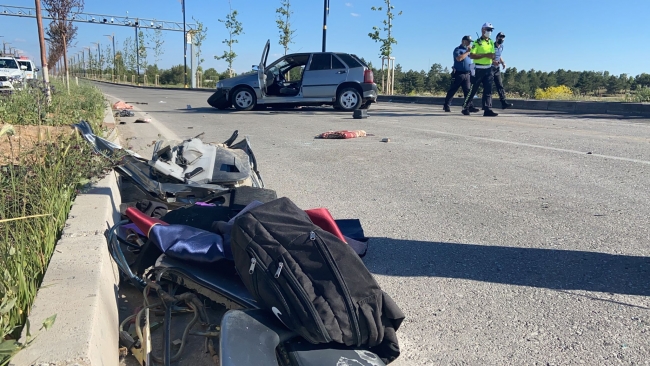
277 273
251 269
256 262
346 292
310 306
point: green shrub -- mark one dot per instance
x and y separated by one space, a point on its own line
37 187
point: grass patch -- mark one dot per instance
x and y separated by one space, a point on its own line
38 182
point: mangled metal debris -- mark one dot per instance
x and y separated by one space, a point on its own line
182 173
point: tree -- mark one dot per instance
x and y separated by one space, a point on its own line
109 59
198 36
433 76
61 31
158 42
235 29
143 43
614 85
284 24
119 63
129 54
386 44
642 80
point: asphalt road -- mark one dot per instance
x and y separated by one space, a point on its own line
516 240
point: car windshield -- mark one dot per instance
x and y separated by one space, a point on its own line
8 63
26 63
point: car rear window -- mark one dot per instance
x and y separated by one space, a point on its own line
349 60
336 63
26 63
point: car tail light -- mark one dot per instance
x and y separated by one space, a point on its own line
368 77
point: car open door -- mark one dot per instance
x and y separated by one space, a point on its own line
261 75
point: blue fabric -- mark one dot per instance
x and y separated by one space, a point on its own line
190 244
497 53
462 66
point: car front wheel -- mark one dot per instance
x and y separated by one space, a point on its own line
244 99
348 99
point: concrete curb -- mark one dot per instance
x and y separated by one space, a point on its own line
80 287
577 107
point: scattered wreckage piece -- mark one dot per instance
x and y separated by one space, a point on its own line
125 113
181 174
143 120
360 114
344 134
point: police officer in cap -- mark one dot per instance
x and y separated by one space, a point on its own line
496 71
462 73
483 52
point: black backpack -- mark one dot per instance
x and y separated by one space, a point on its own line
312 281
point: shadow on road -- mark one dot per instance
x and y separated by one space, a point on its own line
543 268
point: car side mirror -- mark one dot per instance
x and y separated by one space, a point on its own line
37 69
23 67
255 67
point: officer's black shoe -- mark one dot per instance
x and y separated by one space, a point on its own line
446 108
489 113
473 109
466 112
505 105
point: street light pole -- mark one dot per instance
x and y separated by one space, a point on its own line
137 53
112 37
326 11
184 43
41 41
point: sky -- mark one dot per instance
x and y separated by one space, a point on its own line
540 34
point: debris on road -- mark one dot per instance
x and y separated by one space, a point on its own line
360 114
162 101
385 139
344 134
120 105
125 113
143 120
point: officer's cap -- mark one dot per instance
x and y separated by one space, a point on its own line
467 38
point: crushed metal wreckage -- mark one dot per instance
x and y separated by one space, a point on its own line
184 173
199 228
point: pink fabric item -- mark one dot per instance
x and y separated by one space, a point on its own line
344 134
121 105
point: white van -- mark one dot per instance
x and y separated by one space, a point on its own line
31 73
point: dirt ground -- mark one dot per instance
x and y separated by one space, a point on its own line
25 137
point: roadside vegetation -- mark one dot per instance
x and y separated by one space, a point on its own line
43 164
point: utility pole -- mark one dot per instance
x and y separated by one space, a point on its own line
112 37
326 11
137 53
184 43
41 38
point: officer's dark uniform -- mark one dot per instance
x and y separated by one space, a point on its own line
461 76
483 74
496 71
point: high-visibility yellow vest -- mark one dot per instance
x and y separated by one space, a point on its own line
482 46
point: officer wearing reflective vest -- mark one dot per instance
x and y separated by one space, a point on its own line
462 73
482 53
